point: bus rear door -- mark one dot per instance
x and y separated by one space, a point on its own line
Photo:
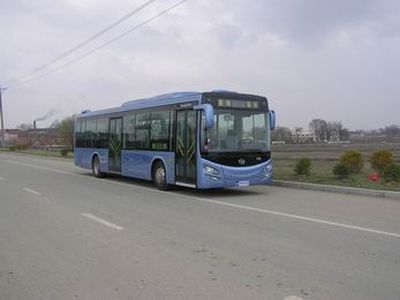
114 151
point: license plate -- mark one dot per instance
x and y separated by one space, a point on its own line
244 183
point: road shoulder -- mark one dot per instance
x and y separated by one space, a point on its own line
338 189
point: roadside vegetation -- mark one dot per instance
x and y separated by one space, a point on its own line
60 153
59 143
303 166
374 166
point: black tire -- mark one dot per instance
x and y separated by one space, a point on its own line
96 167
160 176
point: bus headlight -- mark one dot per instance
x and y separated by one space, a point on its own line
267 169
210 170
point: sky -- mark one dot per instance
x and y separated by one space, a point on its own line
335 60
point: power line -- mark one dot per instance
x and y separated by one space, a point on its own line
51 71
84 43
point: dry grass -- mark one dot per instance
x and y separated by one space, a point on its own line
323 158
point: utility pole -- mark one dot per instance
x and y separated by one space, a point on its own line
1 116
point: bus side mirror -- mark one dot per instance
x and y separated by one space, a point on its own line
272 119
208 110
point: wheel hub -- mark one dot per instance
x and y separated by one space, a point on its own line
160 176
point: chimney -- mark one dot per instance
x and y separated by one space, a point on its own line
34 125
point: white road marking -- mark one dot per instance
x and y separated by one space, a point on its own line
292 216
249 208
102 221
292 298
32 191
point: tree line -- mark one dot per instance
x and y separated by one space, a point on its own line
321 131
325 131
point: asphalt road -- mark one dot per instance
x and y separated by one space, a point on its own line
67 235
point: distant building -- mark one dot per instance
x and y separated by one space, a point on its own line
301 136
40 137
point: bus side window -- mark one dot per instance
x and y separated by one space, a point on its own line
83 134
91 125
129 131
78 130
102 133
159 135
142 130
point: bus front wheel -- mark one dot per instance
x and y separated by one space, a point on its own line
96 167
160 176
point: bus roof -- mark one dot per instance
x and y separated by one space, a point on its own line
161 100
157 101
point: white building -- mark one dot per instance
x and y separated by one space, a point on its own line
301 136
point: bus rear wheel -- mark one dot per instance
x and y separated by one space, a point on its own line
160 176
96 167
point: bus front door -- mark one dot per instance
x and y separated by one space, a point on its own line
115 145
185 147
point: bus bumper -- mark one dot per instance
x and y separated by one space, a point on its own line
212 175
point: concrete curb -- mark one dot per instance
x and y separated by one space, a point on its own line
338 189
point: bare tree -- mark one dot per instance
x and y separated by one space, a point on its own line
335 131
391 131
282 134
66 130
328 131
319 128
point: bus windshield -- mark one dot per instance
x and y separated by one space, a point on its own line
237 131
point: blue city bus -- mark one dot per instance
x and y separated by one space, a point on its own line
201 140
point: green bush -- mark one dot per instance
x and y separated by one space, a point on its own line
341 171
353 161
391 173
303 166
64 152
380 159
11 148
